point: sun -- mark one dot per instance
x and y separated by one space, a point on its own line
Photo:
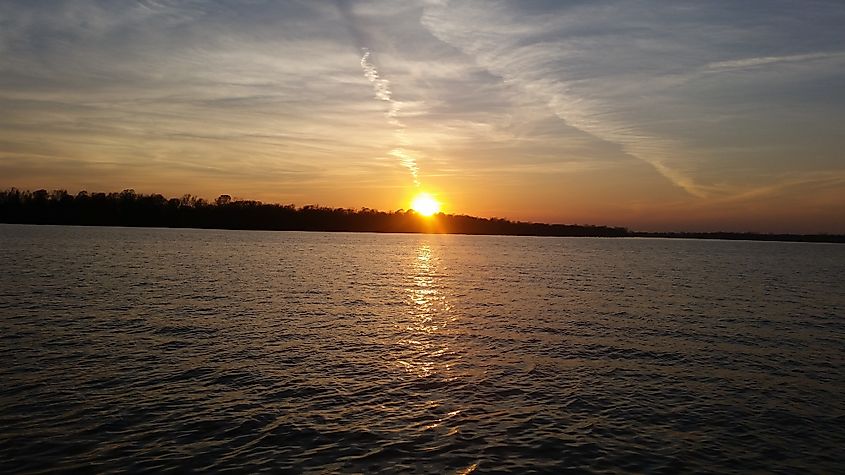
425 204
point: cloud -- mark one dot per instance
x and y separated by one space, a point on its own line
726 100
767 60
381 88
203 84
621 71
535 67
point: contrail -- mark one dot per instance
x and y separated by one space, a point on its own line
381 89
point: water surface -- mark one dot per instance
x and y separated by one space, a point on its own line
155 349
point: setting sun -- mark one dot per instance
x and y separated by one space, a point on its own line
425 204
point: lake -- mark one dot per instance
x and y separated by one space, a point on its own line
177 349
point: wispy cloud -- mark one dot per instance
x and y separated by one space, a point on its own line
534 68
708 103
381 88
622 74
767 60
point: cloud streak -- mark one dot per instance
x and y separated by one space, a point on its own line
526 65
745 63
606 70
559 106
381 89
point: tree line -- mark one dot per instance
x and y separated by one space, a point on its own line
128 208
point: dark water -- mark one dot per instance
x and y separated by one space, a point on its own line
151 349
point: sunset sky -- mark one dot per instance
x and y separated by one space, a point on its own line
652 115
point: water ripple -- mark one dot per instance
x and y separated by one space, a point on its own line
149 350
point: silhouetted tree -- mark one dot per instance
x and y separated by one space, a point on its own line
129 208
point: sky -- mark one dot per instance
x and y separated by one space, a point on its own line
655 115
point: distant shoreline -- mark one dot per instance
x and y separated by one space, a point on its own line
714 236
726 236
129 209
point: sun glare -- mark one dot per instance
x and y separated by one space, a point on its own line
425 204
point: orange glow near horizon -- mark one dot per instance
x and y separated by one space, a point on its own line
425 204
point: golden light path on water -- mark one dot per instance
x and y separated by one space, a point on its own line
430 315
427 354
355 353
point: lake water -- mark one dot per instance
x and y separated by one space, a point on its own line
155 349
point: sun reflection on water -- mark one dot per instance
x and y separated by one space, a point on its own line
425 351
427 355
